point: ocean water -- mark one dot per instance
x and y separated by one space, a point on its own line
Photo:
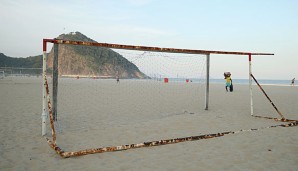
246 81
235 81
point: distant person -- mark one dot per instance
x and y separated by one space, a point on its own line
229 84
293 82
117 79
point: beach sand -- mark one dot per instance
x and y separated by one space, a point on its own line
137 111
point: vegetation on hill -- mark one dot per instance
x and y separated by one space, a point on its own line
29 62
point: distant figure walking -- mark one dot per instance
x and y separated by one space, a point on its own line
117 78
293 82
229 83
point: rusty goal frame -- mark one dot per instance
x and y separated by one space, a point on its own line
50 105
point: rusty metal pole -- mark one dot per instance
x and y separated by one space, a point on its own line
207 81
282 116
250 86
55 82
44 114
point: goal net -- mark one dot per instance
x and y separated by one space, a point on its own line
99 95
20 74
2 74
104 92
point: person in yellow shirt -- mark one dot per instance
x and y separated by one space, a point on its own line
228 83
228 79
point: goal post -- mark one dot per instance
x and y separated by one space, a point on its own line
207 81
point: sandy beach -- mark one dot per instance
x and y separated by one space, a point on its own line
136 111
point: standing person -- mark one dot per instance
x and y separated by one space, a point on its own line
117 78
293 82
229 86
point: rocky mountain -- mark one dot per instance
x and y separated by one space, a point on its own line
91 61
80 60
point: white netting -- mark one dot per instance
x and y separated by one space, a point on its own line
19 73
172 84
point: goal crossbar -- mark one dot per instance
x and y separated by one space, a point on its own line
145 48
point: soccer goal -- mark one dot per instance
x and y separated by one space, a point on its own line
25 72
98 89
2 74
20 72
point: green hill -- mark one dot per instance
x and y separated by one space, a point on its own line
29 62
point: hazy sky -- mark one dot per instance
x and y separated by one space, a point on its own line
228 25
